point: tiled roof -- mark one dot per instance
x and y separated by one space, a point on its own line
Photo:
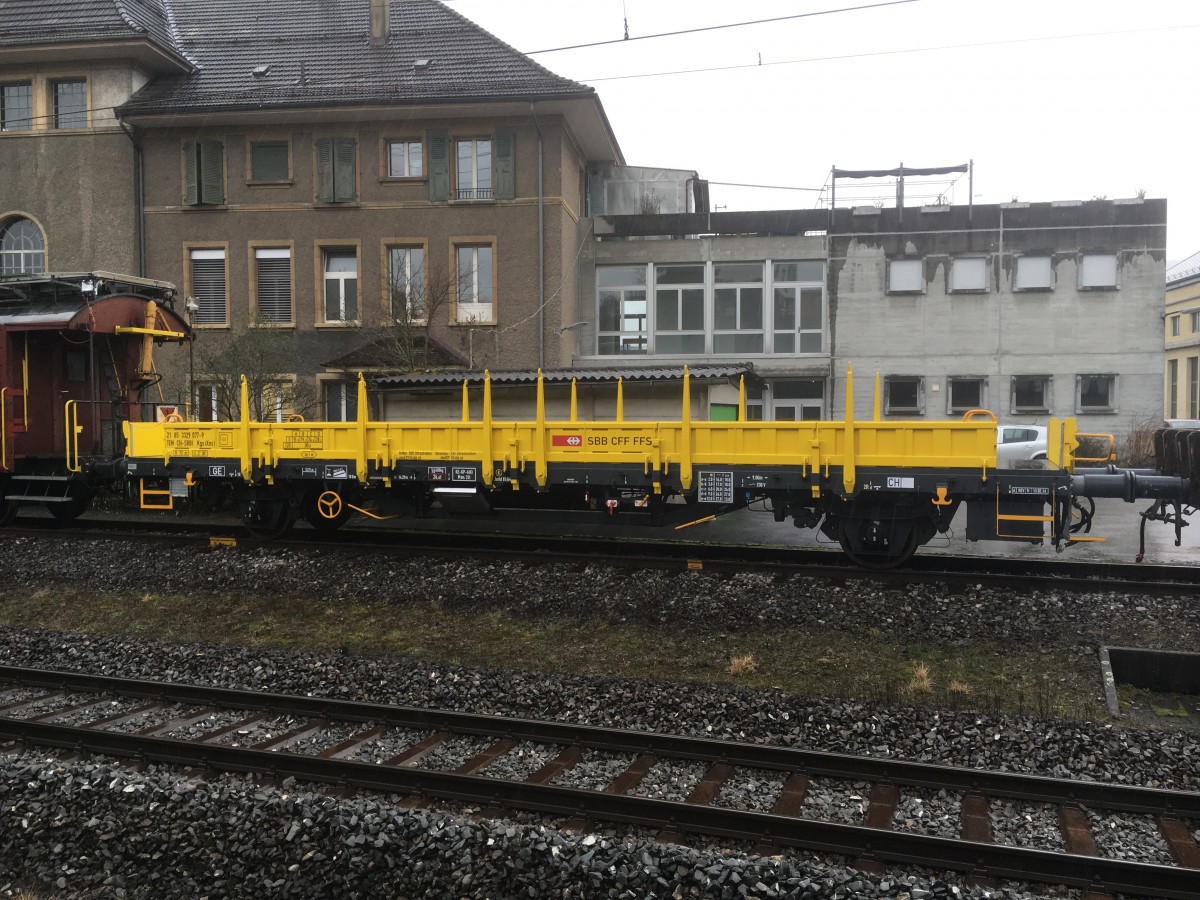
702 373
68 21
311 52
1184 270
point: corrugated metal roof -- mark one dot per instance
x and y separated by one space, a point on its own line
320 52
1185 269
703 373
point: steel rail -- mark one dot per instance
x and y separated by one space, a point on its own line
624 550
994 860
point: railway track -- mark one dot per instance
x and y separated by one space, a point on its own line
630 548
394 749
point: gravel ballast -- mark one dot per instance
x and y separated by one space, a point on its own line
97 826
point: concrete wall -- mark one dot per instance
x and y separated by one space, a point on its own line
1000 332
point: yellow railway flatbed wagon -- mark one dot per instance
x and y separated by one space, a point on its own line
879 488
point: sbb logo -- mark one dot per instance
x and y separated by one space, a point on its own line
566 440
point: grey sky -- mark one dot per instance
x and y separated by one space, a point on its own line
1054 99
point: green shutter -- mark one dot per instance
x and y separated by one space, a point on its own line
212 187
504 174
343 170
191 173
325 169
439 166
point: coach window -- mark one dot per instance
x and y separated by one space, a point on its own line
964 393
906 276
1096 393
904 394
1030 393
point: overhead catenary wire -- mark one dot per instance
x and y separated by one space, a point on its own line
662 34
870 53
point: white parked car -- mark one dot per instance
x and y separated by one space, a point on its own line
1018 443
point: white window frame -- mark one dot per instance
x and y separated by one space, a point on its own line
801 288
1029 271
478 179
891 409
347 392
906 276
739 329
1099 272
258 255
341 284
969 275
411 166
676 290
1047 394
214 309
1111 407
805 408
413 282
469 285
20 254
626 293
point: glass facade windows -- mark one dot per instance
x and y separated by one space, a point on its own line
712 308
679 309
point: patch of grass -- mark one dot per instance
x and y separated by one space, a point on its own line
814 661
742 665
1166 711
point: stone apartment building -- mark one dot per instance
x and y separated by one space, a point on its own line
1032 310
311 172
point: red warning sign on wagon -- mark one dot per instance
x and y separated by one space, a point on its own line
566 440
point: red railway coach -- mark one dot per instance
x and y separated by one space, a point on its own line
76 357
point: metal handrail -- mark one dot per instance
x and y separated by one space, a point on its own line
73 430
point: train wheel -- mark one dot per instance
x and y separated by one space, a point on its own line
76 504
267 515
850 534
326 511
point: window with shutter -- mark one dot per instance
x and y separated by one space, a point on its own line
203 173
336 169
207 287
273 284
439 166
505 175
